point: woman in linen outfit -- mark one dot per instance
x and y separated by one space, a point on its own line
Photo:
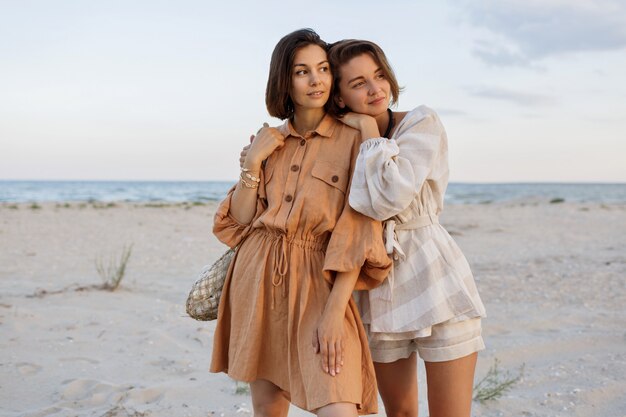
301 251
429 304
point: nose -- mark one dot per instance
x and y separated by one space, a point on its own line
374 88
314 78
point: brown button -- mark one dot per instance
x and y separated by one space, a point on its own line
294 168
334 178
302 142
288 198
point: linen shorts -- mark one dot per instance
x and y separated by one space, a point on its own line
447 341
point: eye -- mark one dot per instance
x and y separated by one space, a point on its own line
301 72
358 84
324 69
380 76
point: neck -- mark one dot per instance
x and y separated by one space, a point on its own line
307 120
383 120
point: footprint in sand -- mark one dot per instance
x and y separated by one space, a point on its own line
91 392
96 393
80 359
28 369
172 366
145 395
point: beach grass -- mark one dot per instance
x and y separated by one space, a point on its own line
113 272
496 383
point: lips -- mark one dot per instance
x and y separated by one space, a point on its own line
377 100
316 94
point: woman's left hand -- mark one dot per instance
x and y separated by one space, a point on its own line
328 340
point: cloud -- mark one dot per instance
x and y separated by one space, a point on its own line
523 32
516 97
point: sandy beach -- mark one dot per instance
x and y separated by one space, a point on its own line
552 276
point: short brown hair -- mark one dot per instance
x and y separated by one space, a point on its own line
277 94
339 53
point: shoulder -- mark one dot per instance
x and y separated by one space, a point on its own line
342 128
421 113
283 128
345 134
421 118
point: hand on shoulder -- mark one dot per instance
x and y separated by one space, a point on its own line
267 140
362 122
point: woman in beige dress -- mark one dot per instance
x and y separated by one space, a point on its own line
286 320
429 306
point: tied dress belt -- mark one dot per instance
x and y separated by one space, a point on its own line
281 250
385 291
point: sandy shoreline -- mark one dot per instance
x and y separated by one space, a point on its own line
552 276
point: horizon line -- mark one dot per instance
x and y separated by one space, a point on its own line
519 182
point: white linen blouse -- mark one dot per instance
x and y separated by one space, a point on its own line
402 180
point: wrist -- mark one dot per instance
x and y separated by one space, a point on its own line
368 128
252 165
333 310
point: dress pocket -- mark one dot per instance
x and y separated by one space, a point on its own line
331 174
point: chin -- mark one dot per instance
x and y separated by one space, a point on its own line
373 112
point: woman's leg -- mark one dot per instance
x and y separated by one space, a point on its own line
397 384
337 410
450 386
268 400
450 354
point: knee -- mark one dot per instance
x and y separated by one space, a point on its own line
269 409
266 410
402 411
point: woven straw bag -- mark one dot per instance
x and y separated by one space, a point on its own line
204 297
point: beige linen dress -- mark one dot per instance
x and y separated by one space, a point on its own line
303 232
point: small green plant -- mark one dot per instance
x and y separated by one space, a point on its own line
113 272
557 200
242 388
495 383
35 206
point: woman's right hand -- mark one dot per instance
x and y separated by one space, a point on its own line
365 124
267 140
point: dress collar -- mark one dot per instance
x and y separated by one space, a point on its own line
325 128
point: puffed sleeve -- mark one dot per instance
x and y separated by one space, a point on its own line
226 228
357 242
389 173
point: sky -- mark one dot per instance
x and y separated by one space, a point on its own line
529 91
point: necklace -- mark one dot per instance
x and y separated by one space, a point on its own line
390 125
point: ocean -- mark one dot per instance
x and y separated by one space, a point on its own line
199 191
